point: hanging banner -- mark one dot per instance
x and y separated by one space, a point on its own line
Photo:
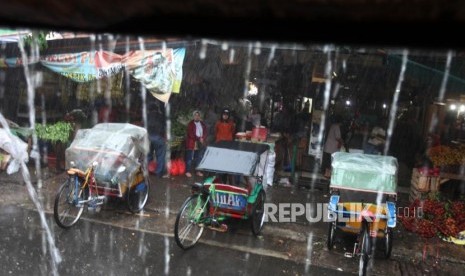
15 62
159 70
85 66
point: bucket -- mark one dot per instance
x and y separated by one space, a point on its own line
259 133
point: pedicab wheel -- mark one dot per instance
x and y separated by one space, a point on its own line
66 210
257 217
189 226
331 235
137 195
388 238
365 248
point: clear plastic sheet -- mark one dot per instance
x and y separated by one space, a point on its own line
111 145
16 148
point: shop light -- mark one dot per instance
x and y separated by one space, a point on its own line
348 103
462 108
253 90
384 106
452 107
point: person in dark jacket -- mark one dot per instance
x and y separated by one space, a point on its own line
195 141
156 128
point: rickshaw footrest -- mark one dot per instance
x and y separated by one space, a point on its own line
220 228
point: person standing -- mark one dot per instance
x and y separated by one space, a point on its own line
195 141
377 140
224 127
333 143
156 125
254 118
210 118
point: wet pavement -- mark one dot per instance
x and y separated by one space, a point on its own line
93 248
293 248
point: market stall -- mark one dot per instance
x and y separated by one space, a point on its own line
267 161
446 167
434 211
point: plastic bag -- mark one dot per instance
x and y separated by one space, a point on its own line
269 171
181 166
13 166
152 166
16 148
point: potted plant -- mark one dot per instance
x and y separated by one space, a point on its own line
58 135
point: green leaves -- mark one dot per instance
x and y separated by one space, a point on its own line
39 37
58 132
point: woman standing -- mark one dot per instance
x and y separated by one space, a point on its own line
195 141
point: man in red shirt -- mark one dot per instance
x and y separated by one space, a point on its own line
225 127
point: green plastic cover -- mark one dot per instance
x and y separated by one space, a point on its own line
365 172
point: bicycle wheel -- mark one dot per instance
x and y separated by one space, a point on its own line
138 195
388 238
188 227
365 248
66 210
331 235
258 213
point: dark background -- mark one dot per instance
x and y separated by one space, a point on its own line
426 24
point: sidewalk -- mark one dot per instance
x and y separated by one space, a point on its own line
301 240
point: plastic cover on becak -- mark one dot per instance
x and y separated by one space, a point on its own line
364 172
112 145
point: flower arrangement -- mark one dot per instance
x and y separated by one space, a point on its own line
432 217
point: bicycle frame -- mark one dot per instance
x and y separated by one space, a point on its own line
209 201
83 182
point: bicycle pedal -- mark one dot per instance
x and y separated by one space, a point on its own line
221 228
348 255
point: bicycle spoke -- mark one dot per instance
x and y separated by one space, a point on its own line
187 230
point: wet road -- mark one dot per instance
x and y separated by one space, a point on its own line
116 242
93 248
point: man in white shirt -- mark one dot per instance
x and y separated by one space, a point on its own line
376 141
